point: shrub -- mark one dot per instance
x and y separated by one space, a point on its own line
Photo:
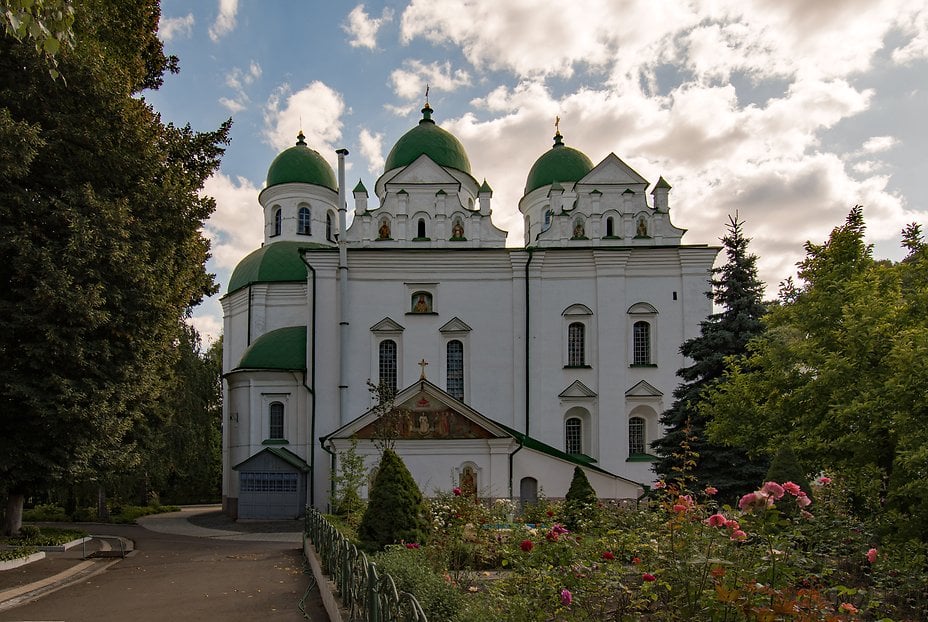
580 502
440 600
785 468
45 512
16 553
395 511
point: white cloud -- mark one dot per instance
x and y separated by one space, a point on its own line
876 144
237 226
239 79
233 105
225 20
363 28
317 109
208 321
372 150
409 82
171 27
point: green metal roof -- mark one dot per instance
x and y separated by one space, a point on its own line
284 454
560 163
429 139
284 348
300 164
578 459
272 263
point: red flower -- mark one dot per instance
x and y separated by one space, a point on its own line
717 520
412 545
456 491
871 555
712 491
527 545
607 555
717 571
636 560
648 577
549 513
792 488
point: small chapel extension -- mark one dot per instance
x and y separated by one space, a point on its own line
510 365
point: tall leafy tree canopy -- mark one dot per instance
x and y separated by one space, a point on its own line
841 374
100 246
738 293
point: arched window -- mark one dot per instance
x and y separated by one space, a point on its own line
636 436
277 221
573 435
275 421
455 371
548 215
304 223
576 344
328 227
610 227
420 228
388 364
641 344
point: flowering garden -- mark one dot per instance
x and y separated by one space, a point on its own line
782 553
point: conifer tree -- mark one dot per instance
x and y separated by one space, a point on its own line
737 290
580 501
395 511
785 467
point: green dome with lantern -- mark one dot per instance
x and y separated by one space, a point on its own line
559 164
429 139
302 165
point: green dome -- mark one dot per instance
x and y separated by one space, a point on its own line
300 164
276 262
559 163
428 138
284 348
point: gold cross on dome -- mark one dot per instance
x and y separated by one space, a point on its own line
557 123
422 364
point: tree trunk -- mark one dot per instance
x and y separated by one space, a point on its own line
14 513
102 513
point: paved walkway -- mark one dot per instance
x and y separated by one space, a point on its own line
189 565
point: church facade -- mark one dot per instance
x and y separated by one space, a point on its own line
507 366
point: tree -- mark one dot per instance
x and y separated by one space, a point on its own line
101 250
580 500
738 292
347 481
395 511
785 468
840 375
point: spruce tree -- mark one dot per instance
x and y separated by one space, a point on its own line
580 501
738 292
395 511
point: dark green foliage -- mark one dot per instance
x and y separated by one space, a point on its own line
395 511
738 292
580 501
440 600
840 376
101 250
785 467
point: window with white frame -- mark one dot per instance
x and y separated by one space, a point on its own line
387 357
455 369
573 435
641 343
304 221
576 344
636 436
275 421
277 221
329 233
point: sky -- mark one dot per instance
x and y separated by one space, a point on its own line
784 112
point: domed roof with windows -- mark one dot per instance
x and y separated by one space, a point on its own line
429 139
559 164
300 164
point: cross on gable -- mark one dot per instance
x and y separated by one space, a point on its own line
422 364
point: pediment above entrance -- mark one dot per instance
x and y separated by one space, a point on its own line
423 171
577 390
643 389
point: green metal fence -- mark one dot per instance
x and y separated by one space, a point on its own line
368 596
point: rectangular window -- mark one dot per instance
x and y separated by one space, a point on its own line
388 364
576 344
268 482
641 346
455 370
635 436
276 421
573 432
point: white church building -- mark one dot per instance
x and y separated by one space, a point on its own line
510 365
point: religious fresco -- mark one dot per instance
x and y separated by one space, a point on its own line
420 418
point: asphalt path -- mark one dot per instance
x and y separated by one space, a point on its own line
182 577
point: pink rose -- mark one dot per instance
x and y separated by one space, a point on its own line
712 491
717 520
679 508
566 597
412 545
648 577
456 491
806 515
803 500
824 480
733 525
660 485
737 535
871 555
848 607
792 488
773 489
747 501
